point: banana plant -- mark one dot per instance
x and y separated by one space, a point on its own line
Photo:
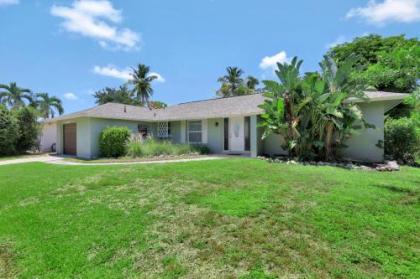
283 104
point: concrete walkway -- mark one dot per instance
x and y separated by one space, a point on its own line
30 159
60 161
63 162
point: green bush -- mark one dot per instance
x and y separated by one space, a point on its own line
28 129
113 140
201 148
151 147
402 139
8 132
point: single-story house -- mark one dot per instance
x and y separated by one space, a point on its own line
225 125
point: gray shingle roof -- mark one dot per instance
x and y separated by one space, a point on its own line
205 109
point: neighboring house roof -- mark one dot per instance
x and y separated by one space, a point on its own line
205 109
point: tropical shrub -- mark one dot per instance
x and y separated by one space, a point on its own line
311 113
150 148
113 140
28 129
8 132
402 140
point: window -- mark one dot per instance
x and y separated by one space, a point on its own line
143 130
163 130
195 131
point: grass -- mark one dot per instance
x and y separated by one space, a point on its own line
233 218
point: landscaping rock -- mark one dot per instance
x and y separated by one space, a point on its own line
388 166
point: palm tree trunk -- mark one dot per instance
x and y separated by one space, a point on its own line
289 120
328 141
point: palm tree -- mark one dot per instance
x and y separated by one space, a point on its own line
14 96
231 82
47 105
142 82
252 82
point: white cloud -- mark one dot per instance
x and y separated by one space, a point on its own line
388 11
159 77
271 61
111 71
123 74
340 40
97 20
70 96
8 2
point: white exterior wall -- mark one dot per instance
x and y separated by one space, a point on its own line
363 145
48 136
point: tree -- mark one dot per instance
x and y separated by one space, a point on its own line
157 105
252 82
311 113
339 87
142 82
48 105
385 63
28 129
121 95
14 96
8 132
280 112
232 84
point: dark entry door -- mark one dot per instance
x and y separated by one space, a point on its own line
69 139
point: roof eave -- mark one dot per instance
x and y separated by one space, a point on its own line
399 97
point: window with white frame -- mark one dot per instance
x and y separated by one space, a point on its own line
195 131
163 130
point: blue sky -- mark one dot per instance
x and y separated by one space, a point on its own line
70 49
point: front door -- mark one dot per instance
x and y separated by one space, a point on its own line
70 139
236 134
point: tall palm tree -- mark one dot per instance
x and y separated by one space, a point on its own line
14 96
252 82
142 82
231 82
47 105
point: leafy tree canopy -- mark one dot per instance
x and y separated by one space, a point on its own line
232 83
120 95
157 105
123 95
385 63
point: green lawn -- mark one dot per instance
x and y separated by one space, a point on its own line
232 218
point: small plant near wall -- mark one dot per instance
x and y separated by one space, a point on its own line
113 140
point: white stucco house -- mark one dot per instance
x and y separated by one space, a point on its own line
225 125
